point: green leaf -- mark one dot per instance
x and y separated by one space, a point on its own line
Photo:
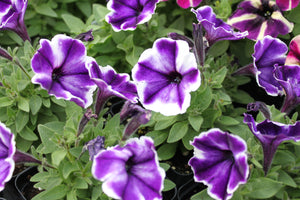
286 179
165 122
57 156
218 48
35 104
166 151
218 77
195 121
178 131
188 138
99 11
23 104
45 9
168 185
262 188
57 192
228 121
68 168
75 24
201 196
28 134
201 99
22 119
158 136
80 183
22 84
46 135
5 101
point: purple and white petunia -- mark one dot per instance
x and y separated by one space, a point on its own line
286 5
216 29
130 172
293 57
260 18
288 77
268 53
271 134
7 152
188 3
12 17
59 67
165 75
126 15
220 162
110 84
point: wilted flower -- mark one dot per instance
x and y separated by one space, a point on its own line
138 117
260 18
86 36
12 17
188 3
165 75
110 84
271 134
293 57
94 146
216 29
7 152
130 172
286 5
288 77
126 15
59 67
220 162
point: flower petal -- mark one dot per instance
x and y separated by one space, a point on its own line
188 3
293 57
286 5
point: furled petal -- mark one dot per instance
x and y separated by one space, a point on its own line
286 5
215 28
126 15
130 172
110 82
288 76
271 134
188 3
220 162
59 67
260 18
268 52
293 57
7 152
12 17
165 75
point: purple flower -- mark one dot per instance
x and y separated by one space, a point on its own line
188 3
130 172
110 84
165 75
12 17
7 152
260 18
59 67
288 77
286 5
271 134
215 28
220 162
293 57
94 146
126 15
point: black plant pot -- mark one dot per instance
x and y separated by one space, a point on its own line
189 189
17 187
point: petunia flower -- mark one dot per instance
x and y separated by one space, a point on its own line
188 3
165 75
59 67
286 5
110 84
12 17
260 18
271 134
293 57
130 172
268 53
288 77
216 29
7 152
220 162
126 15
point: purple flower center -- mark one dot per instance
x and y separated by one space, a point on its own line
265 11
175 77
56 74
128 165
